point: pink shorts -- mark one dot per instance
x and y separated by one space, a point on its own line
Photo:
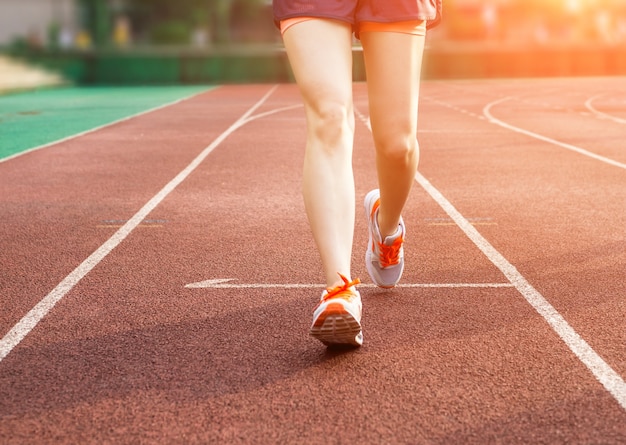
359 13
413 27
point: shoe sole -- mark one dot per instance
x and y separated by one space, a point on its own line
336 326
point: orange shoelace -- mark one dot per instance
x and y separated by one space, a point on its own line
334 291
390 255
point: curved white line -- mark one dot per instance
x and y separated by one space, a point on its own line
597 112
601 370
41 309
270 112
489 116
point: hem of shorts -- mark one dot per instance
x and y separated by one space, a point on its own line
434 20
399 19
431 21
277 20
352 22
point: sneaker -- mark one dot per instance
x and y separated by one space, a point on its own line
384 259
337 317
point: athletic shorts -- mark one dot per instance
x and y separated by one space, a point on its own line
413 27
357 11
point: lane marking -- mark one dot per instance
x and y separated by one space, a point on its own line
590 107
226 283
41 309
610 379
117 226
452 107
117 223
454 224
602 371
489 116
270 112
488 221
100 127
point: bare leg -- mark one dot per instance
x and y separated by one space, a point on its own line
320 53
393 63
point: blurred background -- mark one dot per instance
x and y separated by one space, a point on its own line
205 41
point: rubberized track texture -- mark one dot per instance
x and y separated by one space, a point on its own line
158 277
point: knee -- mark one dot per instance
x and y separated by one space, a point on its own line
331 123
397 147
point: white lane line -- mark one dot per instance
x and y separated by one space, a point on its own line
610 379
590 107
489 116
91 130
226 283
41 309
270 112
602 371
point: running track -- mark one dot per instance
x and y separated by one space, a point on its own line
158 277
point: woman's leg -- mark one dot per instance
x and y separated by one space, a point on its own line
393 65
320 53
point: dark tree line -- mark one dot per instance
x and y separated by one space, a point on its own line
174 21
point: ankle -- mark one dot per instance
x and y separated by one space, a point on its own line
386 228
343 281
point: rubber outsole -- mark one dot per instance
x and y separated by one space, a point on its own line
336 326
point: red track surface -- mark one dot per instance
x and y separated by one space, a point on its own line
129 354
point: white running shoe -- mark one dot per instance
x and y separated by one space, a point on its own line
337 317
384 259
